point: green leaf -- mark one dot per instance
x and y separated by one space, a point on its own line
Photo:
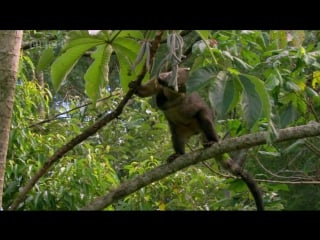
62 66
245 65
277 187
200 78
98 72
279 37
288 115
238 185
75 34
315 79
224 94
45 59
255 101
311 93
126 50
251 57
88 41
131 34
204 34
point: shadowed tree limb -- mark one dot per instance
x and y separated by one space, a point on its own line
86 133
230 144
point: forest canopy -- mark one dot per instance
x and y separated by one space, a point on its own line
81 139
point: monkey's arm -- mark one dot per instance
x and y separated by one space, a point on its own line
148 89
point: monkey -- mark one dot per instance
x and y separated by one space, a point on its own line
188 115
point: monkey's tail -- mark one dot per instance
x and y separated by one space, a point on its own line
237 170
254 189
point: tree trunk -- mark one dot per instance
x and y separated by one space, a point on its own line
10 44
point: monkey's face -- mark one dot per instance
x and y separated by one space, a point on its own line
183 75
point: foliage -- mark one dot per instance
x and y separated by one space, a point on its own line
254 81
68 185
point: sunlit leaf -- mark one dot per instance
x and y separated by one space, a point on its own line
126 50
137 34
162 206
62 66
97 74
315 79
279 37
46 58
204 34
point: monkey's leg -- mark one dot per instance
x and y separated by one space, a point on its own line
206 124
178 142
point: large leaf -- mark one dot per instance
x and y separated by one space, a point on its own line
126 50
91 40
62 66
200 78
255 100
224 94
76 34
98 72
45 59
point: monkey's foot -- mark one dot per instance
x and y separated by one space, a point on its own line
173 157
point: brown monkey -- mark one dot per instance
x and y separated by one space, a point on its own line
187 115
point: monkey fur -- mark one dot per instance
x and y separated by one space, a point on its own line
188 115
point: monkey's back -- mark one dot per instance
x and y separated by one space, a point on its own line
182 112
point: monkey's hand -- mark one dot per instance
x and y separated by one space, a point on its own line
162 82
133 84
173 157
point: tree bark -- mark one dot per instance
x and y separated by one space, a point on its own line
10 44
228 145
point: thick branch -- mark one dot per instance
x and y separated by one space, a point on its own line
230 144
87 133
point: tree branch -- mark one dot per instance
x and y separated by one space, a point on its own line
87 133
55 117
230 144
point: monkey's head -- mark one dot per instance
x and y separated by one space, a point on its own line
183 76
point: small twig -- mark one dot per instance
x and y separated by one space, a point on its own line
287 182
55 117
312 147
218 173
